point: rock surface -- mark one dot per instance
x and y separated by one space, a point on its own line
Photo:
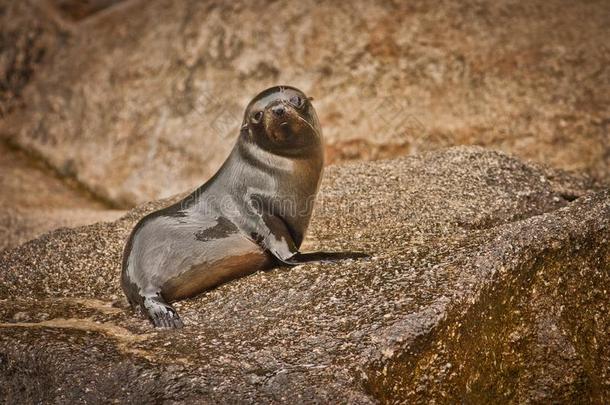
142 100
488 282
33 200
28 31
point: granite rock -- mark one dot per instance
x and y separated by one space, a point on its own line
143 99
487 282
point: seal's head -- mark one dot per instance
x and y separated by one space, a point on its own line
281 119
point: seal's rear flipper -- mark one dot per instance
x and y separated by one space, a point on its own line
324 257
161 314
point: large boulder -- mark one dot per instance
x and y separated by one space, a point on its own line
35 200
143 99
29 32
487 282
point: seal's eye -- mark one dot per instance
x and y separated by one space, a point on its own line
297 101
257 117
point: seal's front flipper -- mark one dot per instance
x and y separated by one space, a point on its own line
277 238
280 242
323 257
161 314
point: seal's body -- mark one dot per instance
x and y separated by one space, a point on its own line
252 214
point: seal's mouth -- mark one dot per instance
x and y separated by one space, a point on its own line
283 130
284 124
282 127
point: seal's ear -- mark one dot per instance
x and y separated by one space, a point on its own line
245 130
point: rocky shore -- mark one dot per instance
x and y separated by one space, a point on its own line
487 282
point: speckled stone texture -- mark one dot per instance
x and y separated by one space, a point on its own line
488 282
143 99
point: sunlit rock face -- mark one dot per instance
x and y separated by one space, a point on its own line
142 99
487 282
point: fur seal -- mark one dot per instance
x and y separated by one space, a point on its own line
251 215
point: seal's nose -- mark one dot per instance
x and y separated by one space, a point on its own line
278 110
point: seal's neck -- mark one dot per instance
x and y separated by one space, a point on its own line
281 164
